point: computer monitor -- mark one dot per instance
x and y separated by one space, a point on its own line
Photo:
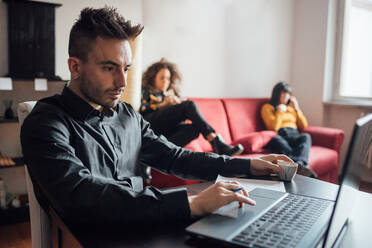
358 156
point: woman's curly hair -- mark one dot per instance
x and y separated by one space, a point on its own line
148 77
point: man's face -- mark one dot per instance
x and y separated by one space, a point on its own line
104 74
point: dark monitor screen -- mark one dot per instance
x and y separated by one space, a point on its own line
358 156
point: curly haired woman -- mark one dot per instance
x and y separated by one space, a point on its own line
167 112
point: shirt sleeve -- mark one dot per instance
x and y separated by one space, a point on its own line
301 119
271 118
163 155
80 197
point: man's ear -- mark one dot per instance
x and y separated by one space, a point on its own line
74 65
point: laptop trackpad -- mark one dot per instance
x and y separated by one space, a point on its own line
230 218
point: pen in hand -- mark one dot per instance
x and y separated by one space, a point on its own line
236 190
240 189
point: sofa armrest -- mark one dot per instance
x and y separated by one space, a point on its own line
324 136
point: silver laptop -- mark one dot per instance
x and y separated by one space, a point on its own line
287 220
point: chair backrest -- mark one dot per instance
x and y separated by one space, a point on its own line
41 232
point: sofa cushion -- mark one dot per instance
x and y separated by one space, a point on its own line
213 111
323 160
244 115
254 142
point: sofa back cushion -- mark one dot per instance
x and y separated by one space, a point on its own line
214 113
243 115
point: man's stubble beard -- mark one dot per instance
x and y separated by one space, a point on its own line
90 93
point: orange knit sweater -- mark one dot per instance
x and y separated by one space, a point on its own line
276 119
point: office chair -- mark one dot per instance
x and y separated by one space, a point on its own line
41 227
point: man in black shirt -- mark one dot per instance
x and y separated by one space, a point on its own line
83 148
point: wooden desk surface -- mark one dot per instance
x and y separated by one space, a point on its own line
174 236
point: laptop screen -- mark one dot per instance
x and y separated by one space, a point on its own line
358 156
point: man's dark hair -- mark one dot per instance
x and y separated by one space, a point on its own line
277 90
106 23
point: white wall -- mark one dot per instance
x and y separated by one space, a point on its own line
309 49
192 35
259 41
223 48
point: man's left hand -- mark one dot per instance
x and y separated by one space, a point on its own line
267 165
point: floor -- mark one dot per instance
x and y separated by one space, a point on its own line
16 236
19 235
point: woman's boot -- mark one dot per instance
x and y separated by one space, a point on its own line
220 147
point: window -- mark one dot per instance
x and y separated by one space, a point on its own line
355 77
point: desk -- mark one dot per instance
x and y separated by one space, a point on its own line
358 234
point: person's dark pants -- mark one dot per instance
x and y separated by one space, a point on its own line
169 121
292 143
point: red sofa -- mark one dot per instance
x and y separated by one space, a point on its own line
238 120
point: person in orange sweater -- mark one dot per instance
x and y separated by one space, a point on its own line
283 114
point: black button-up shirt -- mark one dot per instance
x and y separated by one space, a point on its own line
85 163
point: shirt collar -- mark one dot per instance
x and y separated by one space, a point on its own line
82 109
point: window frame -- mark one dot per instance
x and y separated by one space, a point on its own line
343 11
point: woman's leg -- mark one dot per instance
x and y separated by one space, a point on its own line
191 112
167 117
301 147
165 120
183 134
301 144
280 145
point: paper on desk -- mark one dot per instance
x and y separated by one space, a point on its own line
250 184
232 209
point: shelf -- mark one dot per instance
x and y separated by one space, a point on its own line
14 215
4 120
19 161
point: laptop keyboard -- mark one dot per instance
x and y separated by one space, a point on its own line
285 224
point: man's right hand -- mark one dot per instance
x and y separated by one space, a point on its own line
216 196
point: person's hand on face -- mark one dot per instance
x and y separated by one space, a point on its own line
294 103
267 165
216 196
